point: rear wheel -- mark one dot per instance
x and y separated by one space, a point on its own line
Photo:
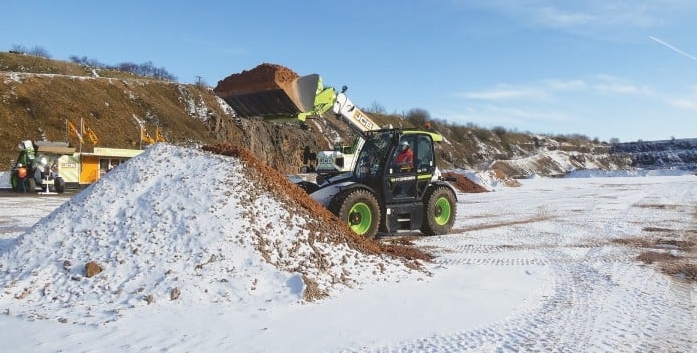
359 208
440 211
59 185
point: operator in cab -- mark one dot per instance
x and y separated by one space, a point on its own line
405 158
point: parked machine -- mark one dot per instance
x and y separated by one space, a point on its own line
41 160
367 190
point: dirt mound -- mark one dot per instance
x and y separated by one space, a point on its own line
263 77
330 224
464 184
275 181
503 178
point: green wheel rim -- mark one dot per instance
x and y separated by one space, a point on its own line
360 218
442 211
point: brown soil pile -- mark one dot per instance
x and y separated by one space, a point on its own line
503 178
329 228
504 171
261 78
464 184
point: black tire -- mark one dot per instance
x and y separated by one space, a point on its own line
439 211
59 185
30 185
14 182
359 209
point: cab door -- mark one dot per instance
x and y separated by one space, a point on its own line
424 163
401 184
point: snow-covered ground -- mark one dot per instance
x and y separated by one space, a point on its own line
550 266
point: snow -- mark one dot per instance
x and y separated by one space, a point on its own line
485 179
530 268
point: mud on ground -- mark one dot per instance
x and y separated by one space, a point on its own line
673 251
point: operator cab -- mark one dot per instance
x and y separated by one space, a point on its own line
379 167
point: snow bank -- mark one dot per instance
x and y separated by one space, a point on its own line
5 180
625 173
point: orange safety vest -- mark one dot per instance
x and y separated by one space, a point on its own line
22 172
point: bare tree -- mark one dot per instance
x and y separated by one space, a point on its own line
418 116
85 61
500 131
18 49
40 52
376 108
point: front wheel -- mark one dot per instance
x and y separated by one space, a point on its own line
59 185
14 182
359 208
440 210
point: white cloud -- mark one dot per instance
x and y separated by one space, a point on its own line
504 92
683 103
561 85
616 88
543 89
559 18
598 14
527 114
687 103
613 84
522 117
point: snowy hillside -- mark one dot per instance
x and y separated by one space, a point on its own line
556 164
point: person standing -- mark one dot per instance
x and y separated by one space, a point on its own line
22 177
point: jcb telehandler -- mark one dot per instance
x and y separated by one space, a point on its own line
374 195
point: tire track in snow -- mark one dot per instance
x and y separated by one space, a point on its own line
588 310
602 300
492 262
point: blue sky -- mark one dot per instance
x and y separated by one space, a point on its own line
601 68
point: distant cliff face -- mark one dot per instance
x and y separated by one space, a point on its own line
40 95
676 153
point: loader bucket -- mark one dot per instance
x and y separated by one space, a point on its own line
268 95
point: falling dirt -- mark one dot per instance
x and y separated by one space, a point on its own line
263 77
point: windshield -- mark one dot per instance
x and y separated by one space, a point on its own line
373 153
